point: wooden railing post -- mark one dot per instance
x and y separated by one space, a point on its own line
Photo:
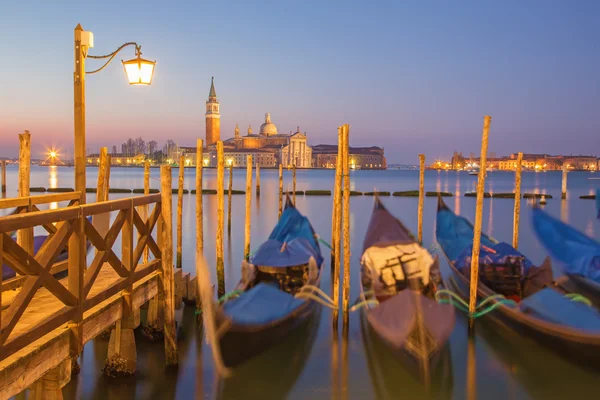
166 281
25 236
122 355
77 267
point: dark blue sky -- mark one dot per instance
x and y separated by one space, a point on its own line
412 76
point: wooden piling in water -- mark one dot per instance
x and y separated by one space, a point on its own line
199 219
280 191
336 219
3 183
478 217
107 177
248 204
219 241
166 281
180 212
257 178
517 211
49 387
102 221
145 209
230 188
294 183
346 223
564 182
25 236
421 198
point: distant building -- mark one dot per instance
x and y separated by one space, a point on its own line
212 116
118 159
325 156
581 163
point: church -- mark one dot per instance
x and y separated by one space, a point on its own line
268 147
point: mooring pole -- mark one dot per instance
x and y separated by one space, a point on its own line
336 220
180 212
145 209
229 197
219 241
564 182
280 191
248 204
3 166
478 217
421 197
294 183
25 236
517 212
167 279
257 178
199 221
346 223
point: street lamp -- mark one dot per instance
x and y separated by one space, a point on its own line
139 72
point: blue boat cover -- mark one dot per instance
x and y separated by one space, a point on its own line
578 253
551 306
455 233
260 305
296 232
499 254
38 241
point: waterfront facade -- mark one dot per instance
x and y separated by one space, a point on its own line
530 161
325 156
118 159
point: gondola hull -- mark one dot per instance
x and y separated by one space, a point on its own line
580 348
241 342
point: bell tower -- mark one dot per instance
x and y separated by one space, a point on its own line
213 116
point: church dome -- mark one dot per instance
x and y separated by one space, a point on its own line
268 128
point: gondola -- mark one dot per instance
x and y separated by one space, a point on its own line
540 309
273 297
578 254
399 280
255 378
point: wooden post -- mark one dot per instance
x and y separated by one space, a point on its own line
564 182
248 203
166 281
107 190
421 197
102 221
517 212
180 211
230 188
346 222
199 221
257 178
49 387
3 165
280 191
77 266
219 241
478 217
145 210
336 219
79 110
294 183
25 236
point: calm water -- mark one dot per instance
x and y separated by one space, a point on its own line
315 363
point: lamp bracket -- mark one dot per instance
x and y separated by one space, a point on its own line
112 55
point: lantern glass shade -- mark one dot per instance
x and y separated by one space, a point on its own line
139 71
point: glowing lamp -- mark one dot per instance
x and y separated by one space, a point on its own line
139 71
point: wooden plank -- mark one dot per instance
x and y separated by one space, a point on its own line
146 199
106 207
55 198
105 294
14 222
14 202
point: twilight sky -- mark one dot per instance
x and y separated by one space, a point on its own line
412 76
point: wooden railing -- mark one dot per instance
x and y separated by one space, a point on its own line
70 227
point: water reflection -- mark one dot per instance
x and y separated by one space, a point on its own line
53 182
564 211
457 196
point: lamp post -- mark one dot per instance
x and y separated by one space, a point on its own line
138 70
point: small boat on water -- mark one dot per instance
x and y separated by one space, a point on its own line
399 280
473 172
541 310
273 297
577 253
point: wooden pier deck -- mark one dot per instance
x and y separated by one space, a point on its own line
45 321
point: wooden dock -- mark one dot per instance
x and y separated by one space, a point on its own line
45 321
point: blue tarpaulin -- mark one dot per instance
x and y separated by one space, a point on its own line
295 231
260 305
578 253
499 254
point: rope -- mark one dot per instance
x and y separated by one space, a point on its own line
362 304
325 300
324 242
578 298
459 303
